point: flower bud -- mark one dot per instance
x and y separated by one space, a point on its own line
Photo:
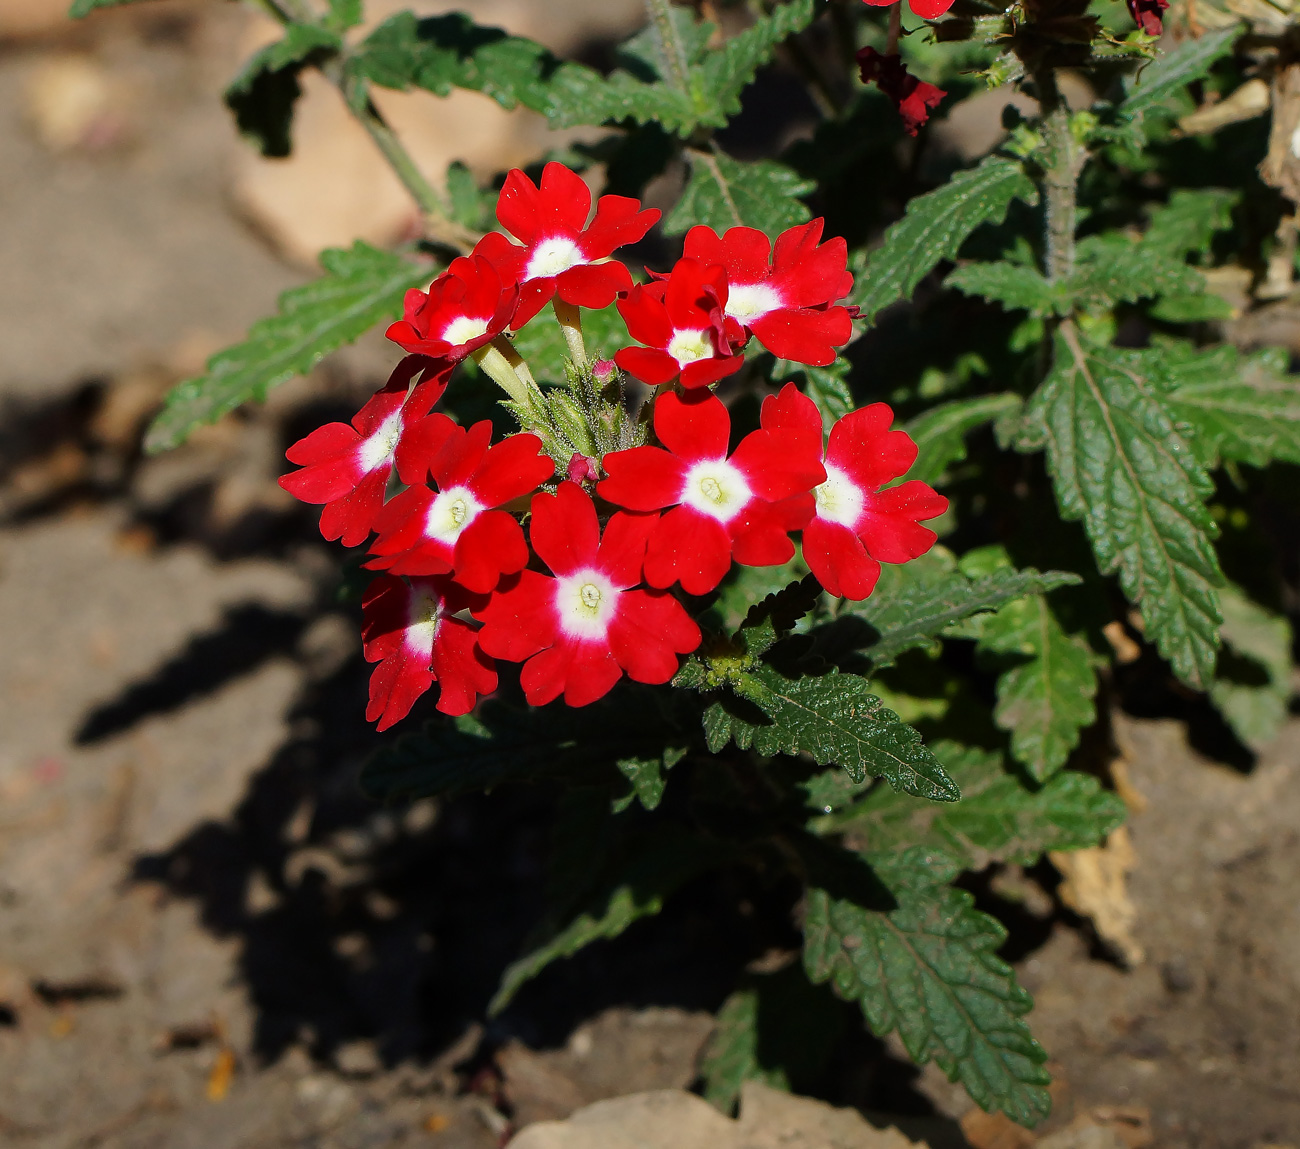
583 468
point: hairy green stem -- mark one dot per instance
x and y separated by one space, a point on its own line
660 14
570 318
494 360
1065 160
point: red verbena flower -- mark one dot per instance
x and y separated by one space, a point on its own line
786 302
561 252
411 631
347 467
912 97
926 9
857 526
582 629
740 507
464 308
683 323
1149 15
458 529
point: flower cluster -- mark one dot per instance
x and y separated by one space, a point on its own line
592 592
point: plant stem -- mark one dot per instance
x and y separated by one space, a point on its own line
570 318
503 365
660 14
895 28
1066 157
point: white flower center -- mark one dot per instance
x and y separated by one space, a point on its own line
377 451
552 256
716 488
422 623
839 499
749 301
450 513
690 346
586 602
464 328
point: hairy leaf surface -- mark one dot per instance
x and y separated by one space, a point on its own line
940 433
1172 69
724 193
263 95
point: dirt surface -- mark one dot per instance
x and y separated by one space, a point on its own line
208 939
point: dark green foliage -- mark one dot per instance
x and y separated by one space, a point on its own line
1177 67
723 193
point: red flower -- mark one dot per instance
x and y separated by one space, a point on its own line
457 530
581 630
1149 15
411 632
857 526
742 507
464 308
347 467
926 9
786 303
561 250
912 97
682 321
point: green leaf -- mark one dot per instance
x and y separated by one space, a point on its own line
940 433
503 744
744 587
655 868
262 96
541 341
777 615
1243 408
916 602
833 718
344 14
362 286
928 969
1000 818
1113 269
934 228
731 1056
1012 285
724 193
1187 224
1172 69
828 387
471 207
647 776
725 73
1190 307
1253 689
1119 464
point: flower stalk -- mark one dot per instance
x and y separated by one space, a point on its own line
570 318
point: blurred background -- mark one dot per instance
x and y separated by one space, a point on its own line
207 937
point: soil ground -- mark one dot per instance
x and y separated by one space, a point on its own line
209 939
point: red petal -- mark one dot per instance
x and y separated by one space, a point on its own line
420 445
703 244
929 9
462 669
594 285
508 258
706 372
747 254
839 560
804 336
863 447
650 366
513 468
519 619
492 545
889 529
326 443
622 550
324 482
693 290
761 538
810 273
533 296
401 522
792 411
349 519
585 671
689 547
383 617
560 207
648 633
646 318
461 455
642 478
619 221
693 427
564 531
780 464
519 207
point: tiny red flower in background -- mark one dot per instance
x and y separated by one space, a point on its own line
682 321
560 251
1149 15
457 529
856 525
926 9
742 507
912 97
347 467
464 308
409 630
581 630
785 303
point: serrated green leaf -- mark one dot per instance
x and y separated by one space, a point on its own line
770 620
1190 307
1187 224
1119 464
834 719
828 387
647 774
935 227
471 207
362 286
1012 285
999 818
344 14
940 433
653 869
1253 698
1113 269
724 193
262 96
1243 408
725 73
731 1056
1178 66
916 602
928 969
744 587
